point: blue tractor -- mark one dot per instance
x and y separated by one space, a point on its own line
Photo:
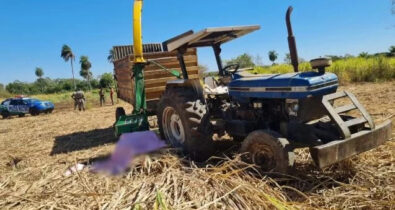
271 115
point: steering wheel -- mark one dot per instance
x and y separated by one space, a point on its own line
232 68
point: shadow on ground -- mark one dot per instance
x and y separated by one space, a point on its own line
83 140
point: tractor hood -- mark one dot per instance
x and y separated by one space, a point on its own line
291 85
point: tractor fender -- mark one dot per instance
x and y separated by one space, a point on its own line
193 84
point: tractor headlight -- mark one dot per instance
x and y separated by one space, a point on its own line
292 106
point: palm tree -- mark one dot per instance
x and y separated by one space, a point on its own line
110 56
273 56
39 72
67 54
85 69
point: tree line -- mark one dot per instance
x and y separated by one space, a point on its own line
47 85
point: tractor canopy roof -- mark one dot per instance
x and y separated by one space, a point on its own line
208 37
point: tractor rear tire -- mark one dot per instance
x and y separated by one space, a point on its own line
184 122
120 111
268 150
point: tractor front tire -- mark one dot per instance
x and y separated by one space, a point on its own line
268 150
183 122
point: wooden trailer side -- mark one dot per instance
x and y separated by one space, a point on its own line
155 77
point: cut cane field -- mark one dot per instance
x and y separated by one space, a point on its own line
161 105
36 152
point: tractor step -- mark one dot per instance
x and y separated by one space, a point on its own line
345 124
345 108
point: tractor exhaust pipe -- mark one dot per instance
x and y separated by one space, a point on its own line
293 52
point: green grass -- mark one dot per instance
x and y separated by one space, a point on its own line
5 94
348 70
92 98
63 98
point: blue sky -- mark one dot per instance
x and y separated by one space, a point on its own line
33 32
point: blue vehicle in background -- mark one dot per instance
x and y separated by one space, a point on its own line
22 106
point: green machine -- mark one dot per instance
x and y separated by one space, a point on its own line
138 120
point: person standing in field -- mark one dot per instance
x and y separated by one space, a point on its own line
79 100
112 95
101 93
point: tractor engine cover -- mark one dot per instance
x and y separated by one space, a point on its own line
283 86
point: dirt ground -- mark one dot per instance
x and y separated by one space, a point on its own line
36 152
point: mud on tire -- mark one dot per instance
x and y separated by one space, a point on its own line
183 122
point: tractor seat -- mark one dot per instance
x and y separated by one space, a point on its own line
212 87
